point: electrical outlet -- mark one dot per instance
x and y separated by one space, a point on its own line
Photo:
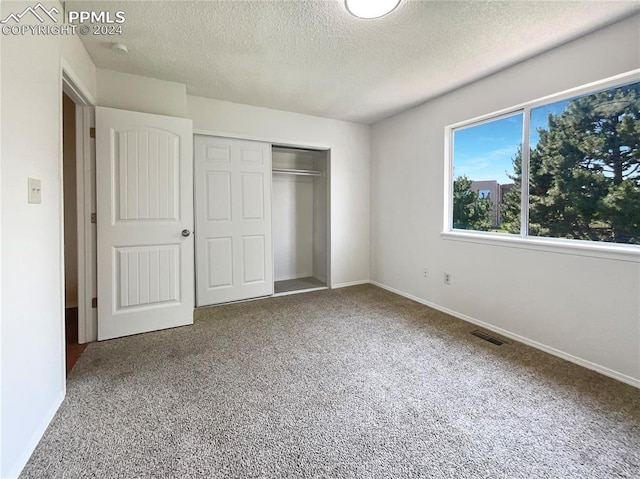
426 273
447 278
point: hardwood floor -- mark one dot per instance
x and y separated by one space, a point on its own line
73 349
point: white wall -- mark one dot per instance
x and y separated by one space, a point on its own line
137 93
350 172
349 143
33 377
2 467
580 307
292 218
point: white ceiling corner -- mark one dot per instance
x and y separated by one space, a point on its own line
312 57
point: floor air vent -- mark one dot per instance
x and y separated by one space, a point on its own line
487 337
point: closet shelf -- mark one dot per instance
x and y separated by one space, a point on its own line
289 171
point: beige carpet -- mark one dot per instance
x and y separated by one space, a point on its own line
351 383
299 284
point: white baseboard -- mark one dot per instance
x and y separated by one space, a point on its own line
35 438
352 283
529 342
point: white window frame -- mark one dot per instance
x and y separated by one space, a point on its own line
615 251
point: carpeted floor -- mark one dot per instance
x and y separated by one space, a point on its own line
300 284
349 383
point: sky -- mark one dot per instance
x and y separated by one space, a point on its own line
540 117
486 151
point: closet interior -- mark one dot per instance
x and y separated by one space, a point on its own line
300 205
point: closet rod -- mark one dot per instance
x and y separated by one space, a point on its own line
288 171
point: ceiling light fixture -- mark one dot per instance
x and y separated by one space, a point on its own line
370 8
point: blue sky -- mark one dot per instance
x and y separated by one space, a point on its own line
540 116
485 152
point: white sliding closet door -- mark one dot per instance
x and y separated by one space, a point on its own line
234 255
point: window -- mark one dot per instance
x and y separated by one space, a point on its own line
580 156
483 165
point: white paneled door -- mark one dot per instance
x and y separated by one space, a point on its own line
234 256
144 222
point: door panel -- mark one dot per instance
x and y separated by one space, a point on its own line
250 155
218 196
253 259
233 220
148 172
252 196
144 202
220 262
147 275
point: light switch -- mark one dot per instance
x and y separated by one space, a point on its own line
34 191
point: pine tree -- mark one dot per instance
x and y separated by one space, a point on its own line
470 212
510 206
585 171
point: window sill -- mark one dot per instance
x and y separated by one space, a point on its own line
627 253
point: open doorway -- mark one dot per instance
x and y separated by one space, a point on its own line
78 233
73 348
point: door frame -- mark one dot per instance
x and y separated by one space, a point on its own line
291 144
87 237
85 198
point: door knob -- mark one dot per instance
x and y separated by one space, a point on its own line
186 233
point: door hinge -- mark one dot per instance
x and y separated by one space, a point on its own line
92 132
93 218
94 302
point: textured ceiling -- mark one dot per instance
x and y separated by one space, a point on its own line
311 56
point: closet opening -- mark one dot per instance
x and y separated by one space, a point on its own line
262 216
300 219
